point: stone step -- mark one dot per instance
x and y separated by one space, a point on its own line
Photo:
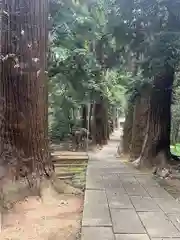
69 165
69 153
70 157
65 174
69 161
65 177
67 171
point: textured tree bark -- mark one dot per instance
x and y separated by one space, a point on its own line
156 150
100 122
84 116
140 118
24 87
127 131
110 120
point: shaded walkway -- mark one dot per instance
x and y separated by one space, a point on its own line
122 203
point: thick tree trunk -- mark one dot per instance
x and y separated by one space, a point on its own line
24 87
140 118
100 122
156 148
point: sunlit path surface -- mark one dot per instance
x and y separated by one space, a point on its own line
122 203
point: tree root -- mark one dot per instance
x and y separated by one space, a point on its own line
137 163
159 171
62 187
162 172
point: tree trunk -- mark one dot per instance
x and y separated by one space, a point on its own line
98 123
106 124
24 88
101 122
116 119
93 123
91 120
110 120
84 116
175 132
114 110
140 118
156 150
127 131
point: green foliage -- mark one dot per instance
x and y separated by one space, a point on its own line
110 47
175 109
82 52
175 149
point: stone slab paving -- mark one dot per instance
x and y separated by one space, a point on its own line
147 181
126 221
175 219
165 238
126 178
158 225
118 199
158 192
100 182
145 204
122 203
131 237
93 233
135 189
96 209
169 206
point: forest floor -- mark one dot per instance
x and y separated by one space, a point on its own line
56 218
124 203
52 217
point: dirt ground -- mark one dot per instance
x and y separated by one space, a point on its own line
56 217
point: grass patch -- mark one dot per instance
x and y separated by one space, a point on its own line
175 149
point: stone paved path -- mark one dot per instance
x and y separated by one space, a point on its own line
122 203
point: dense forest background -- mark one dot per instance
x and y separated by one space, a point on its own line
121 56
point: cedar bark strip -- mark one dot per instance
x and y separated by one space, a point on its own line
24 85
156 150
84 117
101 122
140 118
